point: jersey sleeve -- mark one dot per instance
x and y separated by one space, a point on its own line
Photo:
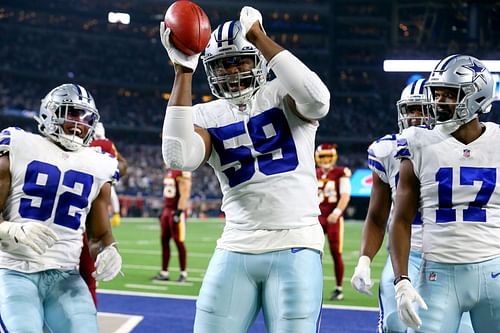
5 140
378 153
404 147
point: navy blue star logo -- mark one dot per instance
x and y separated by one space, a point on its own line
477 70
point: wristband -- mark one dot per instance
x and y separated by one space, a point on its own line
338 211
401 277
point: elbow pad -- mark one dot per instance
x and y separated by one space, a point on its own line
182 148
303 85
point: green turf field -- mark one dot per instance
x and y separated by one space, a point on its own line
139 245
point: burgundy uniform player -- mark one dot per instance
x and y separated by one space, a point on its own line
176 192
334 190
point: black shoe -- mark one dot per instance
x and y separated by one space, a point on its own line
160 277
337 295
182 278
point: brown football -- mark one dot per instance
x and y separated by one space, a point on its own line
189 27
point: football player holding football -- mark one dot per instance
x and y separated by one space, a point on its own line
259 138
52 188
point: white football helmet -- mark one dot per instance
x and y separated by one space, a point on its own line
474 85
72 107
227 47
413 99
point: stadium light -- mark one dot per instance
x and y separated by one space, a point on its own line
116 17
416 66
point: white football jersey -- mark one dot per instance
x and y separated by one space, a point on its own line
458 191
55 187
264 160
382 161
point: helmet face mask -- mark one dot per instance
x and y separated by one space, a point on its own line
413 106
326 156
465 85
68 116
235 68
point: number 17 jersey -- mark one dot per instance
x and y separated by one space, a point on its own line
459 191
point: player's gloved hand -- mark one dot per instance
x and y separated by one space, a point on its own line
406 295
35 235
108 264
178 215
248 16
176 56
361 280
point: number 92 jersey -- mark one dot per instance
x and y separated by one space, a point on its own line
459 201
264 160
55 187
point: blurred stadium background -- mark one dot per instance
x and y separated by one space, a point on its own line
123 64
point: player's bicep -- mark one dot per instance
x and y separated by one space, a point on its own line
5 180
380 201
207 140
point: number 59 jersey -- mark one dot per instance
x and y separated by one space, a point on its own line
264 160
459 193
54 187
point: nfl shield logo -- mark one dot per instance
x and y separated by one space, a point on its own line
432 276
466 152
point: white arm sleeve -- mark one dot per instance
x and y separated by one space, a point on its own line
182 148
345 185
311 96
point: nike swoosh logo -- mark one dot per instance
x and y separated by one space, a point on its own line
298 249
494 275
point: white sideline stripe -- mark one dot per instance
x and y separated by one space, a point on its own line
131 321
193 298
350 307
143 294
144 286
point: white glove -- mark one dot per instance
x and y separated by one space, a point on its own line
176 56
361 280
108 264
248 16
35 235
406 295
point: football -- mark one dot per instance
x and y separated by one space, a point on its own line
189 27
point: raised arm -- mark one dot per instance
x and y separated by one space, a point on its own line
184 147
310 97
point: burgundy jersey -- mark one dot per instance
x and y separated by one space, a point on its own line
105 145
329 187
171 188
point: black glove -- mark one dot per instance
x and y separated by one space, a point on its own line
178 215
